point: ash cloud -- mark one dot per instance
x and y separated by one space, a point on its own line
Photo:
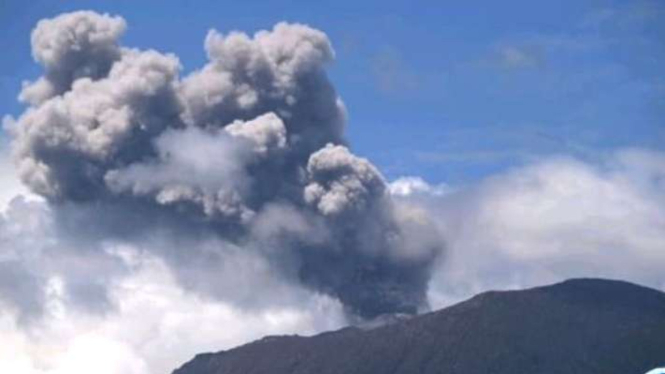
248 150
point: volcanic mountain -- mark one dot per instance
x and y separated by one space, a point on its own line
585 326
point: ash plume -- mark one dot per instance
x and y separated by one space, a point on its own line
250 147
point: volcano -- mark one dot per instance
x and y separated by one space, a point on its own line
585 326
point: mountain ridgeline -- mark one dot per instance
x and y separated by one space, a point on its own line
581 326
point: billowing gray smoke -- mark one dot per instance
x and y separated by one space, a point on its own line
249 147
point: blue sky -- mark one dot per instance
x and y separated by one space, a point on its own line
451 92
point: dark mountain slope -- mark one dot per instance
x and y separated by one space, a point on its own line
583 326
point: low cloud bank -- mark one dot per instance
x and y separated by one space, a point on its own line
555 219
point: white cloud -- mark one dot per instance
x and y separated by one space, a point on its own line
406 186
10 185
157 326
552 220
518 57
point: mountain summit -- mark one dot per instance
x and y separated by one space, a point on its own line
585 326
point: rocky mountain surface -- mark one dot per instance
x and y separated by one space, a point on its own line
581 326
